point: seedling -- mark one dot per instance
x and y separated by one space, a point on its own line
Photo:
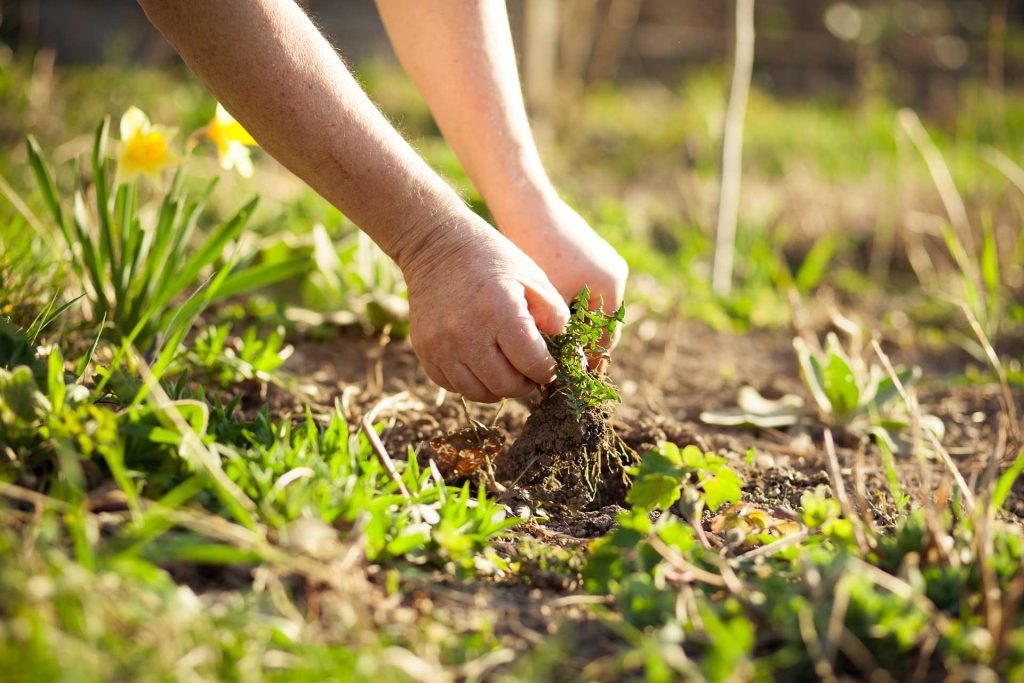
356 282
669 474
848 394
230 360
572 350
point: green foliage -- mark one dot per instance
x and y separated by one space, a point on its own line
332 474
230 360
137 266
667 474
847 392
899 599
582 387
119 489
356 278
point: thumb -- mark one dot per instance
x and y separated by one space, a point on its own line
546 306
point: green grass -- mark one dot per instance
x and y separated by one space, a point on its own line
154 528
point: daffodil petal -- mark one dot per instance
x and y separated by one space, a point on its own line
222 116
133 122
237 157
229 128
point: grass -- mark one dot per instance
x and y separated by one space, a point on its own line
160 519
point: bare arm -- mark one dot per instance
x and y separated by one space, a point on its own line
460 54
271 68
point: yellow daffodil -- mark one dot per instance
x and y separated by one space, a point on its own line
144 147
231 140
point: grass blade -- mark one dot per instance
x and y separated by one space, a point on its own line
44 178
262 276
1006 481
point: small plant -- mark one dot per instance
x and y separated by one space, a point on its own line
357 283
572 350
848 393
668 474
137 265
230 360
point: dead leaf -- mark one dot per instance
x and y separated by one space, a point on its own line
461 454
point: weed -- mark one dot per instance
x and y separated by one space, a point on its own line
669 474
230 360
573 349
812 597
848 393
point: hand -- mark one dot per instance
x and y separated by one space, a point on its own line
477 307
569 251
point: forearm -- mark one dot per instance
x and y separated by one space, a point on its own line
460 55
271 68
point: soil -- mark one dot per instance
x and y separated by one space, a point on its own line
668 372
566 463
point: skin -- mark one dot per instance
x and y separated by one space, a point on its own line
461 57
478 301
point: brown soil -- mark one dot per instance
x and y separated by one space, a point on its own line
668 372
566 463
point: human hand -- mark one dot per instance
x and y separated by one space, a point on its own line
568 250
477 308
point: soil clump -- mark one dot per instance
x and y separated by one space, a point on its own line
565 463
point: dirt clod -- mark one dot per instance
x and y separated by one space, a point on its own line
565 463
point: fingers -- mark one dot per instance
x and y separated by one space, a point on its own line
547 308
496 373
466 382
511 367
526 350
436 374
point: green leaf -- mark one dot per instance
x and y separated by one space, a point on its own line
211 249
838 380
722 488
815 263
758 411
665 460
891 475
887 390
1006 481
20 393
201 551
693 457
811 371
412 538
654 492
263 275
44 178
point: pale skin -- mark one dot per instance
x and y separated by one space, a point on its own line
479 300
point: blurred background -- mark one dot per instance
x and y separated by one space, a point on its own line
629 100
916 49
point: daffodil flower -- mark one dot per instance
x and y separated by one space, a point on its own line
144 148
232 141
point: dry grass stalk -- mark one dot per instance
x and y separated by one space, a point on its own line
382 454
836 475
732 149
1009 405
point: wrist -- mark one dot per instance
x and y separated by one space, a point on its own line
439 230
525 208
